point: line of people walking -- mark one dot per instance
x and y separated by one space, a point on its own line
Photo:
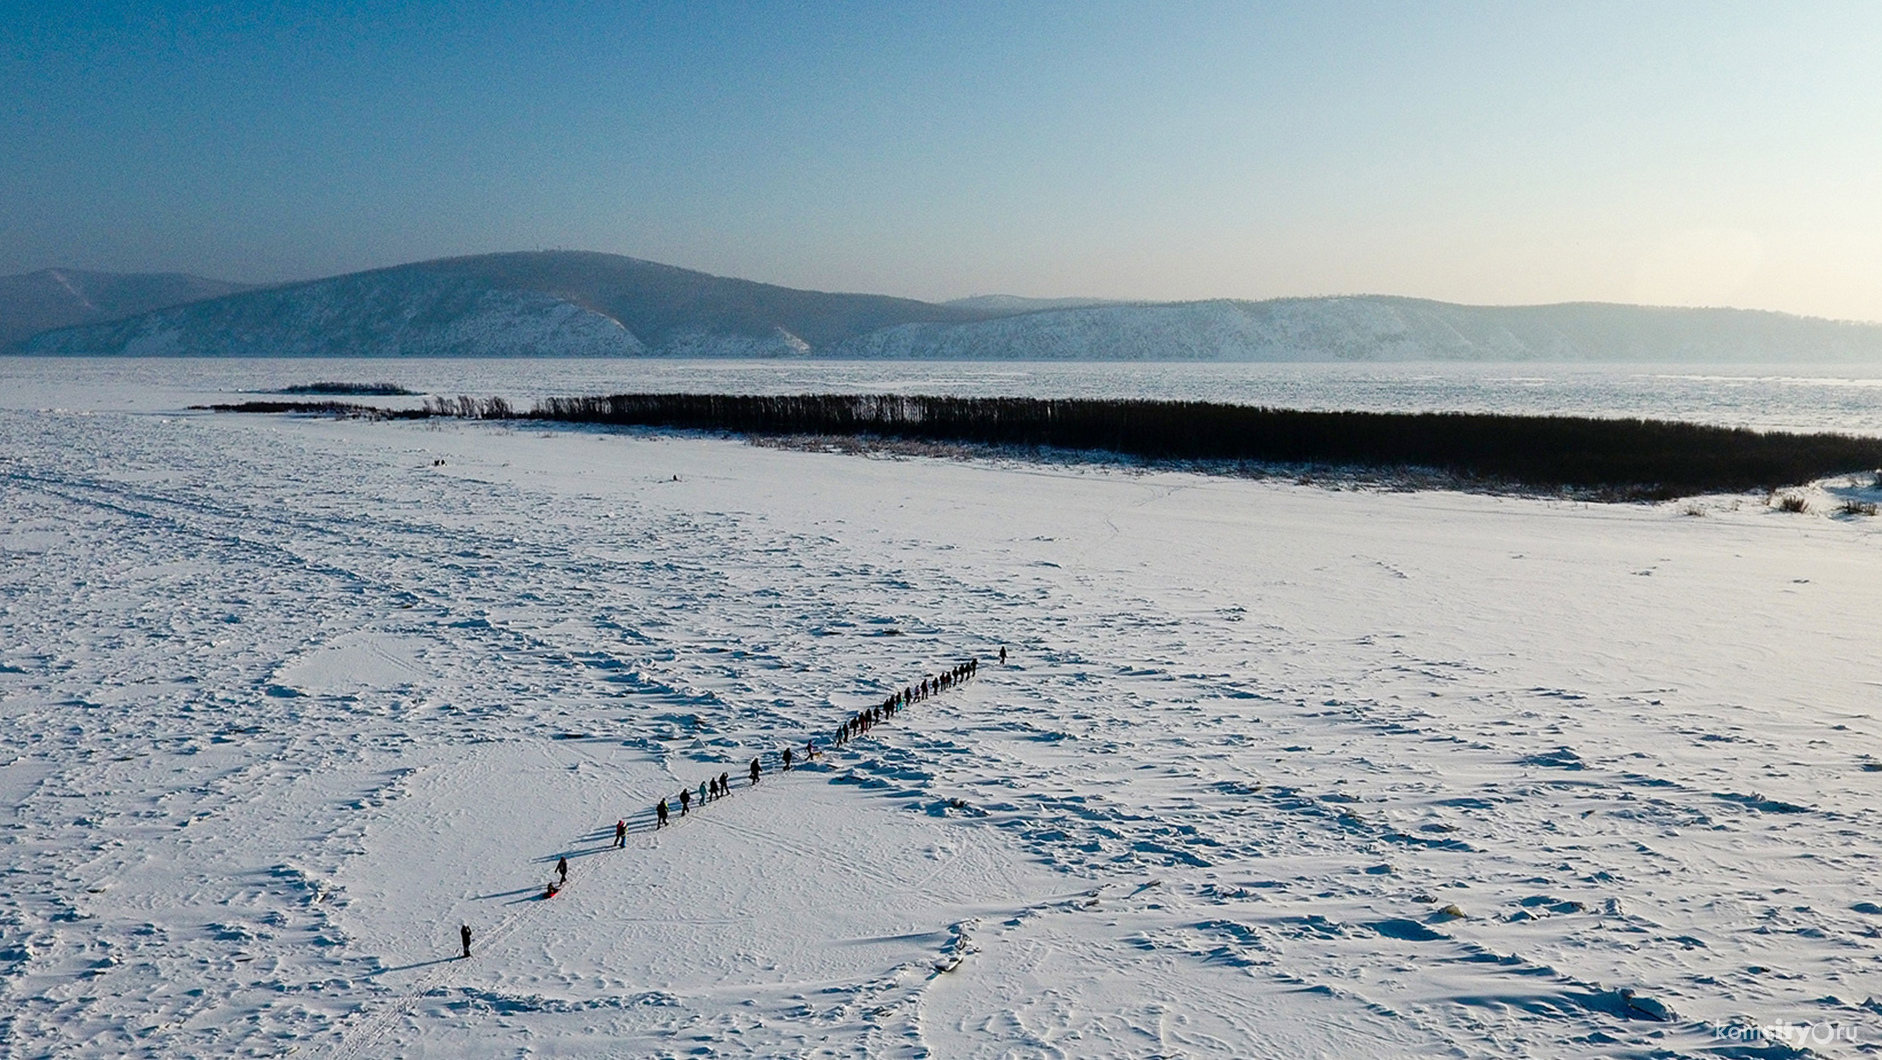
932 685
709 790
714 788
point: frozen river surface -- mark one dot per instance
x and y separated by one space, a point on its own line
1271 770
1841 398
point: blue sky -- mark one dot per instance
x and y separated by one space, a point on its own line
1709 153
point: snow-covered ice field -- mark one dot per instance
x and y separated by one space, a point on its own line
284 701
1791 397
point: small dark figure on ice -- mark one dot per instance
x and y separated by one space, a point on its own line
754 772
660 811
562 869
787 759
620 833
463 933
686 801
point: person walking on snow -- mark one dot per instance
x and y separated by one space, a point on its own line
787 760
754 772
725 783
562 868
620 833
686 801
1002 655
463 933
660 812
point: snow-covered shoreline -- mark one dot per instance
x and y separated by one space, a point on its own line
284 701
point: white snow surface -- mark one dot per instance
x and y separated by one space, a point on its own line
283 701
1826 397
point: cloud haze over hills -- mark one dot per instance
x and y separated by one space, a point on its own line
561 303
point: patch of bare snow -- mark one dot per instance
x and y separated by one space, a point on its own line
1271 770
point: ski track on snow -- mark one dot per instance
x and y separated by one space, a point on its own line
1216 805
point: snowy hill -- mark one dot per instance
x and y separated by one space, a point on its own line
555 303
585 304
1012 303
1375 328
33 302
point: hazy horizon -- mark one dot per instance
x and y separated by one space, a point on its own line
1684 155
1071 298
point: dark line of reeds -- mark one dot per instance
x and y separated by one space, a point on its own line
450 407
1632 458
339 389
322 408
1608 458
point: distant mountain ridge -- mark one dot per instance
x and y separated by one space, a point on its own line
566 303
1012 303
548 303
33 302
1382 328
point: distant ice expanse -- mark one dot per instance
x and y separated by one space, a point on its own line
1788 397
1273 770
